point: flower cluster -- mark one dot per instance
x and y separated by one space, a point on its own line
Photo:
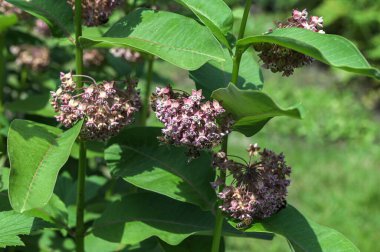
127 54
96 12
41 28
189 121
7 9
258 189
33 57
105 108
93 57
281 59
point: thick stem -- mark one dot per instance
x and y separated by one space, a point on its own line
2 84
234 79
80 229
217 235
149 77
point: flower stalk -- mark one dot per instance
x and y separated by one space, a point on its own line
149 77
234 79
80 229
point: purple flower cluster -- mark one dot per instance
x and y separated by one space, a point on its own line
93 58
7 9
33 57
105 108
96 12
189 121
258 189
41 28
281 59
127 54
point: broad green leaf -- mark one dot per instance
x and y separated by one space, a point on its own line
36 153
174 38
330 49
7 21
215 14
57 14
13 224
34 105
54 212
251 109
194 243
140 216
214 75
304 234
137 156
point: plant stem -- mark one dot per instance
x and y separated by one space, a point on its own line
149 77
2 85
234 79
238 53
80 229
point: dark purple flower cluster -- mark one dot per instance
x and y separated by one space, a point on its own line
258 189
127 54
281 59
105 108
33 57
96 12
189 121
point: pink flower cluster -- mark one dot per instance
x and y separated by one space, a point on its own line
41 28
96 12
189 121
258 189
281 59
300 19
34 57
93 58
105 108
126 53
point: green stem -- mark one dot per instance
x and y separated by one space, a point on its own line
149 77
235 75
80 229
238 53
217 235
2 85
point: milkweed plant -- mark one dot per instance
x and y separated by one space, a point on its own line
142 188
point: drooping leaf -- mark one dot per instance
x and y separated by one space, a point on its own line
57 14
54 212
251 109
215 14
174 38
304 234
36 152
138 157
33 105
7 21
140 216
13 224
333 50
214 75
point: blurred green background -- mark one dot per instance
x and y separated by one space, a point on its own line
334 152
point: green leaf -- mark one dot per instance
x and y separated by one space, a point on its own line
194 243
140 216
57 14
333 50
54 212
214 75
174 38
251 109
304 235
36 153
4 178
94 149
13 224
137 156
215 14
7 21
37 104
